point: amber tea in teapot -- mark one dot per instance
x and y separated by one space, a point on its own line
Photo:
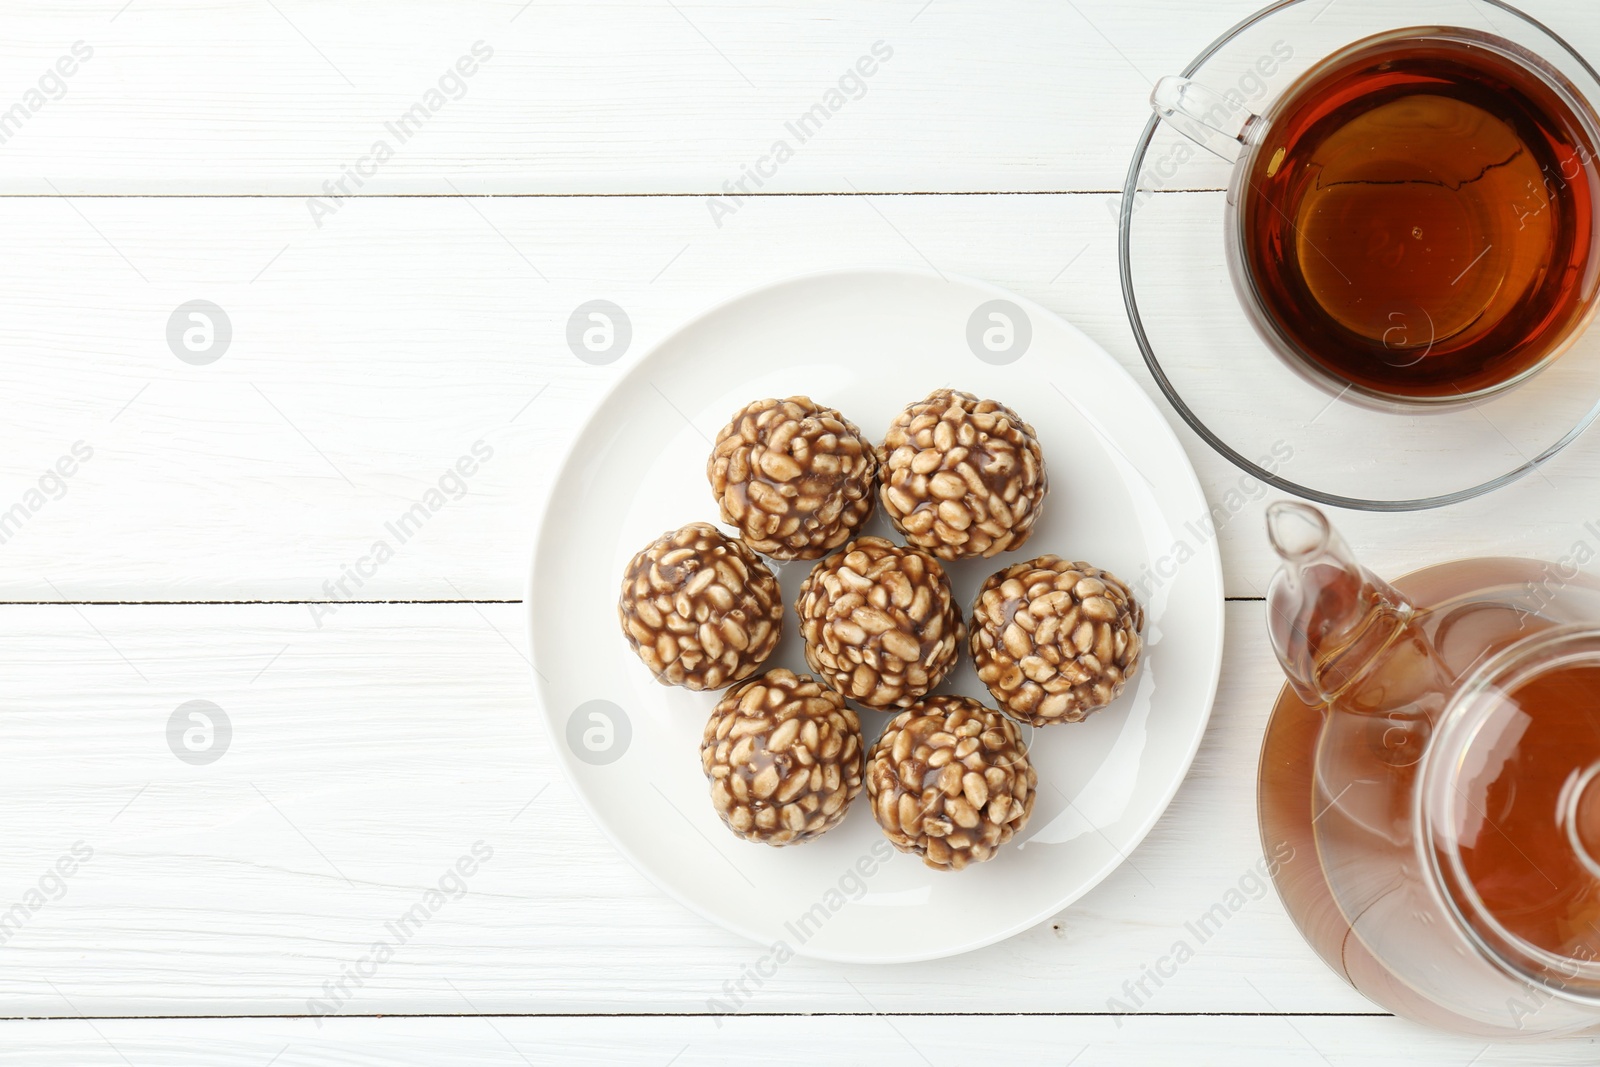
1434 764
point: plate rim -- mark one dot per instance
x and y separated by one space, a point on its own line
1191 481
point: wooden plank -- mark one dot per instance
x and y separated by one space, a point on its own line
367 757
579 97
941 1040
616 97
368 356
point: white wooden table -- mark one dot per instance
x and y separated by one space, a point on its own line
375 338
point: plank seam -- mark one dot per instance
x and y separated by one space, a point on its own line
587 196
215 603
746 1014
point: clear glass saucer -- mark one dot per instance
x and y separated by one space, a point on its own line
1227 382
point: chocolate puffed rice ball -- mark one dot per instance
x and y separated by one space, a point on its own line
1054 640
700 609
793 476
879 622
962 477
950 781
783 755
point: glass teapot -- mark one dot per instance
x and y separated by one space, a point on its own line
1430 780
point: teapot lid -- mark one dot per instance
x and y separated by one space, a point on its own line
1510 809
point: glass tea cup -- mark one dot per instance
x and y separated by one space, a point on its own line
1414 218
1350 315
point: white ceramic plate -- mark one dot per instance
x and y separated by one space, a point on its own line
1123 497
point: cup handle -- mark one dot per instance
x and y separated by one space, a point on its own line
1204 116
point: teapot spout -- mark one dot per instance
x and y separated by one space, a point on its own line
1329 618
1300 532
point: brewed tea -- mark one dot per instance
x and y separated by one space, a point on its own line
1344 787
1418 221
1543 887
